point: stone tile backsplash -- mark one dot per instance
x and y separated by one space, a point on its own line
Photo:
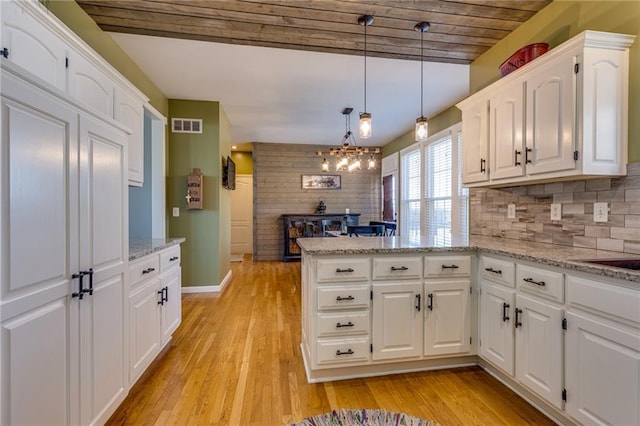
488 212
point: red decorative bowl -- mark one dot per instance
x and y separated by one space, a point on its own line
522 57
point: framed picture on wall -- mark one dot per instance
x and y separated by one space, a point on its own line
321 182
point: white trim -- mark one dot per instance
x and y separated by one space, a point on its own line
209 288
156 115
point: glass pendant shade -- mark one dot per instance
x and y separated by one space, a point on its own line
365 125
421 129
372 162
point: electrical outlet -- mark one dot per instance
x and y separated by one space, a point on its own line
511 211
176 211
600 212
556 211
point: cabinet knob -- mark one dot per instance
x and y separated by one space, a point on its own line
4 52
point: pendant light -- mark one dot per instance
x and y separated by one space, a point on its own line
365 117
421 122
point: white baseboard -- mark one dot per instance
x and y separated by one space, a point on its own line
209 288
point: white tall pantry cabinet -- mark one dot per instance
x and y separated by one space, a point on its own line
69 121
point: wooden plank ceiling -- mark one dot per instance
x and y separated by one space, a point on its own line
461 30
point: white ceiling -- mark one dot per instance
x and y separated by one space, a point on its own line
290 96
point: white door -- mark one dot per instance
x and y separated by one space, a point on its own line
506 132
144 328
172 304
447 317
397 320
242 218
475 143
39 254
104 229
602 371
496 326
550 118
129 112
539 348
89 85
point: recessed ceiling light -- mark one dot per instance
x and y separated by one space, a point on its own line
234 146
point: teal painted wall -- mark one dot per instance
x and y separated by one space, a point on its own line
206 251
140 198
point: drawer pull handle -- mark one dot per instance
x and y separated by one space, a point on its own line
347 352
518 323
515 160
340 298
349 324
450 266
402 268
430 302
505 312
495 271
173 258
161 294
344 270
148 270
532 281
483 165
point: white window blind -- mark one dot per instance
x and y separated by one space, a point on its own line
411 184
433 203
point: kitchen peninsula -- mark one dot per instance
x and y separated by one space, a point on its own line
383 305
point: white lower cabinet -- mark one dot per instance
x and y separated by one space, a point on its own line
602 353
397 320
447 317
154 306
520 333
538 350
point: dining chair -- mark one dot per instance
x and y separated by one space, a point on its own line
389 227
365 230
330 225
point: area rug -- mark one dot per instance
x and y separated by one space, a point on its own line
365 417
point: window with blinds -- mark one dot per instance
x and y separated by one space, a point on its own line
411 188
439 210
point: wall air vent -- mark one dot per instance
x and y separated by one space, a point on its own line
186 125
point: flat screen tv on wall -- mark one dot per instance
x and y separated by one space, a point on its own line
229 174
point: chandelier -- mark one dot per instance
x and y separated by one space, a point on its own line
349 157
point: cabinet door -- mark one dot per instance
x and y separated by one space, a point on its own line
506 132
144 328
602 371
90 85
31 45
39 253
129 111
475 143
397 320
539 348
172 307
104 230
550 117
447 317
496 326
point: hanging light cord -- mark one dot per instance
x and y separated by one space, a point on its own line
421 72
365 66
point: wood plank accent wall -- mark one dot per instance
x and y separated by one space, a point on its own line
277 189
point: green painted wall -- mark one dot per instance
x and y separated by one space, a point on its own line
80 23
244 162
206 251
556 24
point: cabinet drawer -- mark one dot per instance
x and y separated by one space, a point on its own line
342 350
397 268
547 284
344 297
147 267
169 258
333 270
447 266
498 271
603 298
343 323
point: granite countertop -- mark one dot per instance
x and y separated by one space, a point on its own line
140 248
550 254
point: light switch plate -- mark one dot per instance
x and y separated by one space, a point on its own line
176 211
600 212
511 211
556 211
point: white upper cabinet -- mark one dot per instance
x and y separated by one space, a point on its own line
130 112
28 43
562 116
475 155
89 85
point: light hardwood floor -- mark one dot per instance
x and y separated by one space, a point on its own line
236 360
